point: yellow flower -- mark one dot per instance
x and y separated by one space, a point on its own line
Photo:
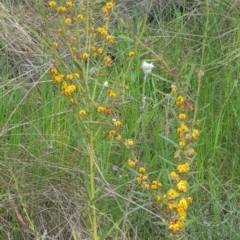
158 198
109 92
76 75
142 170
85 55
195 134
183 168
82 112
112 95
174 90
80 17
94 55
110 38
190 199
51 3
100 51
118 137
182 186
183 204
105 19
181 213
131 54
101 109
59 31
111 133
53 71
93 48
180 100
181 143
68 20
64 85
131 163
55 44
70 4
175 227
109 5
155 185
108 61
69 89
129 142
105 10
69 77
139 178
102 31
182 129
174 176
154 182
182 116
71 101
58 78
117 123
61 9
172 194
171 206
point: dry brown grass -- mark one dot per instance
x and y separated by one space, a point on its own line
19 38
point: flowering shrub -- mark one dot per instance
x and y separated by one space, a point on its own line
78 78
174 202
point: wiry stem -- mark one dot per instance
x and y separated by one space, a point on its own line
92 187
201 73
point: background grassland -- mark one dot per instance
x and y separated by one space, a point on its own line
42 169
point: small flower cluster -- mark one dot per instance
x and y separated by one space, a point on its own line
67 81
172 202
177 199
77 36
175 202
142 177
75 24
109 116
114 133
107 7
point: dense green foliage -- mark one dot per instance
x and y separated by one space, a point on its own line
43 171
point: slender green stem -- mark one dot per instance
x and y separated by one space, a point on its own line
201 73
92 187
144 104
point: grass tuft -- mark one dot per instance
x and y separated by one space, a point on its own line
66 164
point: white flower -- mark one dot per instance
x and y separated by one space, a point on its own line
105 84
147 67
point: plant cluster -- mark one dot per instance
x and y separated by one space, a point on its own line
85 45
81 43
174 202
80 61
80 64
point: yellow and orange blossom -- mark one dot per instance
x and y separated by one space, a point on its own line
82 112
